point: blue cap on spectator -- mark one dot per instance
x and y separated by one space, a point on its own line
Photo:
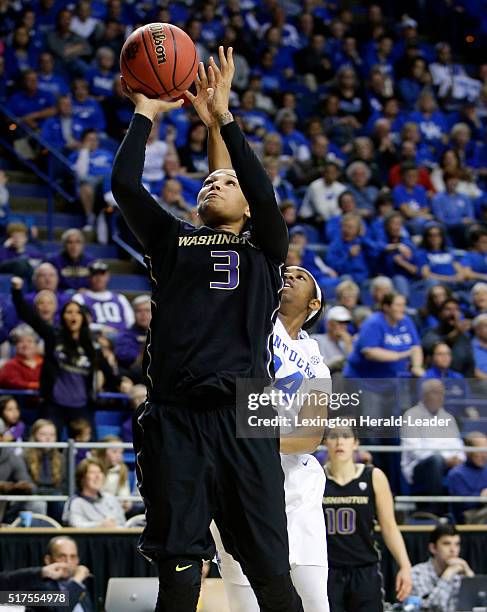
297 229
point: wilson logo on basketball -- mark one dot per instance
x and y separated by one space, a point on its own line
158 37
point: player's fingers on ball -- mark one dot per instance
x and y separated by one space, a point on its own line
191 97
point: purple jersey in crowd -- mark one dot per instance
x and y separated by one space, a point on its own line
72 274
108 309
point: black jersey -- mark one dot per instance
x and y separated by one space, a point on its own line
215 294
350 518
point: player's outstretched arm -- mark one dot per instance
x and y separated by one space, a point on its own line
218 156
268 225
149 221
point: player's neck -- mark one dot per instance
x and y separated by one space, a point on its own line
292 324
234 228
342 472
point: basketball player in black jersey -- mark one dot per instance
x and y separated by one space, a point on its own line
356 496
215 293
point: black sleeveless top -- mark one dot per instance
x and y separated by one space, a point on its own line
350 518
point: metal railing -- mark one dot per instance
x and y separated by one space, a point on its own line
53 156
71 447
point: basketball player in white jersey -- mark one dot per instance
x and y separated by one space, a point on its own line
296 358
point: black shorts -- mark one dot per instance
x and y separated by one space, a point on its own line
191 468
356 589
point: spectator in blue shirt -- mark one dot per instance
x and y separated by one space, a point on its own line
62 131
428 314
437 261
283 189
411 199
468 150
384 206
469 479
479 345
20 55
346 204
30 104
349 254
411 86
432 122
294 143
325 276
85 108
387 345
359 175
49 81
475 260
440 359
91 164
454 210
397 257
101 77
72 263
256 121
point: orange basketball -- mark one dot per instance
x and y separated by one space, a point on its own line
159 60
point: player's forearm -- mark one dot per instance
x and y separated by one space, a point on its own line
268 225
395 544
218 156
144 216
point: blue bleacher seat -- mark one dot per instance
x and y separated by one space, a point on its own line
110 417
129 282
107 430
5 283
100 251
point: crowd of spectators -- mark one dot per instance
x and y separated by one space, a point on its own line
373 129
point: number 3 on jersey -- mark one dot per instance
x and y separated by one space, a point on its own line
227 261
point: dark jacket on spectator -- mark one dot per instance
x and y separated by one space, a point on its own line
30 578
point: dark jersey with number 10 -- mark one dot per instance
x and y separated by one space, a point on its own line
215 294
350 519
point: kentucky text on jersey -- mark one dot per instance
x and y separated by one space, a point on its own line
293 357
213 239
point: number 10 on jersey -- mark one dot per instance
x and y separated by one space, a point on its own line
227 261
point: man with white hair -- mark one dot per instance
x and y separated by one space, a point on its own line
46 277
336 345
427 427
479 345
23 371
478 298
379 287
359 174
129 345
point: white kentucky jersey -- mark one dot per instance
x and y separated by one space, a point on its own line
304 478
108 309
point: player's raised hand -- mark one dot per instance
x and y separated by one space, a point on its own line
202 98
149 107
220 85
